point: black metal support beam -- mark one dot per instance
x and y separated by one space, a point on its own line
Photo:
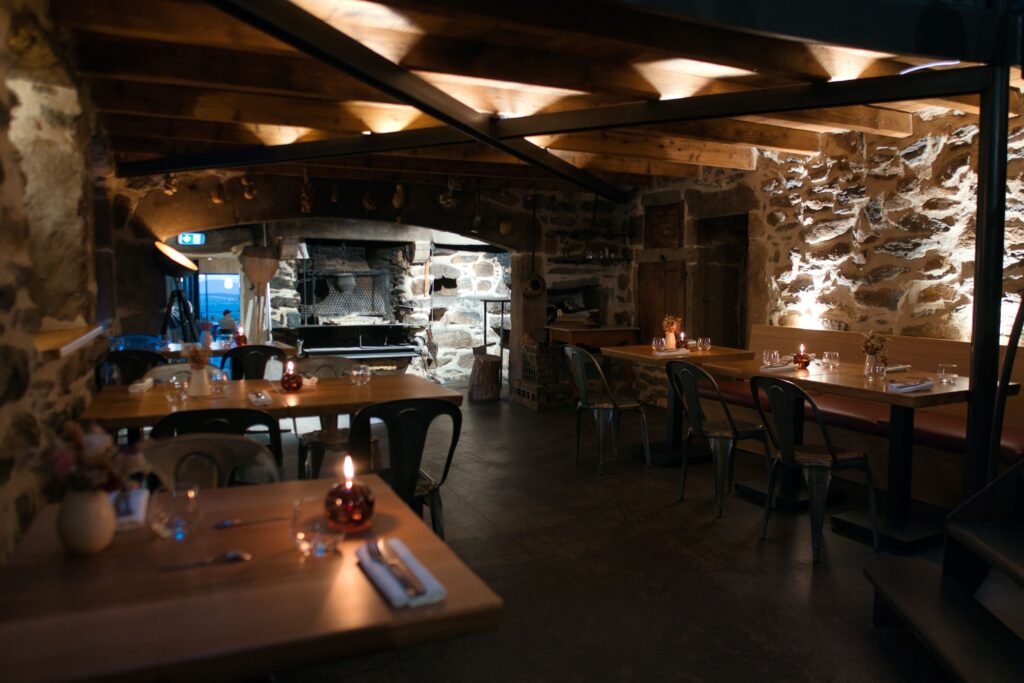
988 277
811 96
300 29
944 30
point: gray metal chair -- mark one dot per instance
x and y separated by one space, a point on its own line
817 462
313 445
210 460
686 380
606 408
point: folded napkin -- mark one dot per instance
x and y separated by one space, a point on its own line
140 386
910 385
130 507
390 587
897 368
260 398
779 368
668 353
273 369
309 381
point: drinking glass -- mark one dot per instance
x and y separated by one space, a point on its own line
360 375
311 533
173 514
176 388
658 344
874 372
947 373
704 344
830 359
770 356
219 382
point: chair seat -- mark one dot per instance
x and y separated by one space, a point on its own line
425 484
623 403
722 430
336 437
819 456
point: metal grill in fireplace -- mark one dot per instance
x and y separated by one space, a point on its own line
370 296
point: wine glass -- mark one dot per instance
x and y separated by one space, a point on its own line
947 373
770 357
174 513
311 530
658 344
219 382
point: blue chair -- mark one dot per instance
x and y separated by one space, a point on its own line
128 342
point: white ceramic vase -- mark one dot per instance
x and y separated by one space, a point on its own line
86 522
199 383
670 340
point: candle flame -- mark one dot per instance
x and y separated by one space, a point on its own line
801 348
290 368
349 469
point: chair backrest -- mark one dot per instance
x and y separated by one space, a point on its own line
325 366
221 421
210 461
582 369
249 362
686 379
127 366
125 342
786 402
407 423
163 373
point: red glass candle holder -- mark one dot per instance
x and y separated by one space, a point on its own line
801 360
349 506
291 381
240 339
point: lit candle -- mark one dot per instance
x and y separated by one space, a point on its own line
801 360
349 505
349 470
291 380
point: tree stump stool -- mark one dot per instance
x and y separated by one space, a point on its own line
484 380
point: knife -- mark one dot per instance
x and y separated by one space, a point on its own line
233 522
398 567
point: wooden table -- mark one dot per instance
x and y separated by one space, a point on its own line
115 615
595 337
848 380
669 453
115 408
218 349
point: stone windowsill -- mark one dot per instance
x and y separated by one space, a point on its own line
64 342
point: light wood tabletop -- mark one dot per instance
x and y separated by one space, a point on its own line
217 349
848 380
116 615
115 407
644 354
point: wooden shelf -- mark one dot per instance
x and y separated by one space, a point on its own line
66 341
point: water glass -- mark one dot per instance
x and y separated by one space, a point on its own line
360 375
704 344
830 359
874 372
311 532
176 388
947 373
173 514
770 356
658 344
219 382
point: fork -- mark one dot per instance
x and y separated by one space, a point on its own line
383 555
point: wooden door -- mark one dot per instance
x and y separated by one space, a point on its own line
661 290
720 281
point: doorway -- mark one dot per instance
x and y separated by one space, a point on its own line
719 310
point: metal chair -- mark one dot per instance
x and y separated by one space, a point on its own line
249 362
407 423
211 461
606 408
320 440
686 379
221 421
127 342
817 462
124 367
164 373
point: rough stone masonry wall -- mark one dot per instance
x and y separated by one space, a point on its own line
873 233
45 255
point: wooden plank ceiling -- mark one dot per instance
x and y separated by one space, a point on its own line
171 77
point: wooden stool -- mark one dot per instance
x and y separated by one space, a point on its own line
484 380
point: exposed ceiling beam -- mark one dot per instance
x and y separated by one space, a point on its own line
652 145
771 100
312 36
769 137
875 120
945 30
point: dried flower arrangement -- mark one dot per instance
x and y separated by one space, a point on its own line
198 355
85 458
874 344
671 324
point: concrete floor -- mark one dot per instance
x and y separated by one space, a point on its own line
610 579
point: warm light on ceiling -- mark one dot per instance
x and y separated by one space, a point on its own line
846 63
176 256
270 134
498 97
379 27
378 117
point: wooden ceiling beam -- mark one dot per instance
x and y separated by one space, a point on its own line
649 145
861 118
773 138
310 35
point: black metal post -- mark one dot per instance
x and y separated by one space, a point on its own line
988 276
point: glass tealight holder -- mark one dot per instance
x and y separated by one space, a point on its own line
173 514
947 373
349 505
830 360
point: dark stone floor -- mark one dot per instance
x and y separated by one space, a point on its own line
610 579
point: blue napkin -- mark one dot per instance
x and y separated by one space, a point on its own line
911 385
390 587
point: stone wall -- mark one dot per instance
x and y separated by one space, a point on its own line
45 255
